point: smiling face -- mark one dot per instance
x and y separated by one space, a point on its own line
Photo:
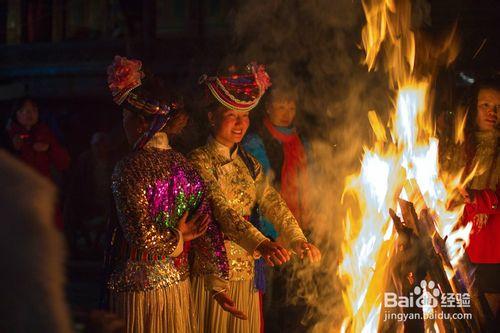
229 126
488 104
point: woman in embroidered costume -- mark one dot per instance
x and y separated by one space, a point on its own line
238 188
155 190
481 148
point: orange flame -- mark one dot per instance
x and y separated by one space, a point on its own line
411 153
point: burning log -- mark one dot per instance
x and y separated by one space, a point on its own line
460 282
435 270
419 253
405 268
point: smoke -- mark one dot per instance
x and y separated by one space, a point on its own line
313 46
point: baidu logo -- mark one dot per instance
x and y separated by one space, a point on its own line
427 295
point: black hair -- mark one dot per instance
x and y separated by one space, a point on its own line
17 105
471 122
282 92
472 100
154 88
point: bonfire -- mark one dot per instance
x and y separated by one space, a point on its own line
403 253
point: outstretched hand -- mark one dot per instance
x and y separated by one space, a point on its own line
193 228
228 305
273 253
305 249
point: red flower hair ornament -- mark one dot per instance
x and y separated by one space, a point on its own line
124 75
262 79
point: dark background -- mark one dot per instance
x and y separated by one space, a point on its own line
57 52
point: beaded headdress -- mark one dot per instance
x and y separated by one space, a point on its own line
239 91
124 77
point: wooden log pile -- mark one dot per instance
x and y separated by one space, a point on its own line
419 255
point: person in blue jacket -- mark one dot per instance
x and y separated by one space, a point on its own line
285 156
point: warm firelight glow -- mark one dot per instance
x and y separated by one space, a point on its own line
409 153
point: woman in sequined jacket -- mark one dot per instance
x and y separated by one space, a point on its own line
481 149
238 188
156 191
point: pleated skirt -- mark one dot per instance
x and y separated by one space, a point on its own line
162 310
213 319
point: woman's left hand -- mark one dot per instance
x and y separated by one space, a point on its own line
302 249
228 305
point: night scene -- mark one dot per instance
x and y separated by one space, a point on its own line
249 166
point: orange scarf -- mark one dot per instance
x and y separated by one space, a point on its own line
294 175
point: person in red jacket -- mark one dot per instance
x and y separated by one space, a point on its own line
33 141
482 208
479 154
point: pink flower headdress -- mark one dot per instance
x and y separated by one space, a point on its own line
124 75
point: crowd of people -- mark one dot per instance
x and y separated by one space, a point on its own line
202 242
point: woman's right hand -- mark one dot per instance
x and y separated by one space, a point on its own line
273 253
193 228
